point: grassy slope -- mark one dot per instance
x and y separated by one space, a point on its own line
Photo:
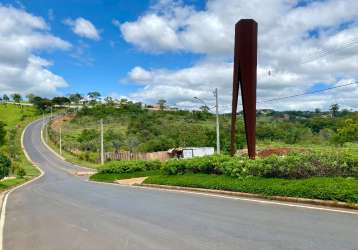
339 189
71 158
13 116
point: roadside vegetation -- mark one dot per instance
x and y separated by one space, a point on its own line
131 127
319 159
13 163
328 175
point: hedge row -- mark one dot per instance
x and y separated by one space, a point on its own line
119 167
294 165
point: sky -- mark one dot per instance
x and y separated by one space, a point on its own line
146 50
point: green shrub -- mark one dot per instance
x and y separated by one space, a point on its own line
119 167
5 165
294 165
21 172
209 165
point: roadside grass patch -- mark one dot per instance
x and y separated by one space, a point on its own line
324 188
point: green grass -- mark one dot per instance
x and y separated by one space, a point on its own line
338 189
112 177
6 184
14 116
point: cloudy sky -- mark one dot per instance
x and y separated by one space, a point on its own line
166 49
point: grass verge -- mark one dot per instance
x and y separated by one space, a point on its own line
104 177
18 118
324 188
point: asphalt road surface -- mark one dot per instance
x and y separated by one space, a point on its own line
62 211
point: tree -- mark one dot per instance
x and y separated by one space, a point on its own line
75 98
93 96
132 142
2 133
162 103
89 139
16 97
41 103
30 97
5 165
5 98
60 100
109 101
348 133
204 109
334 109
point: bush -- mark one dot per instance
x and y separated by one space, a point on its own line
5 165
209 165
294 165
21 172
119 167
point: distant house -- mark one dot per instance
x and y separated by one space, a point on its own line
190 152
156 107
197 151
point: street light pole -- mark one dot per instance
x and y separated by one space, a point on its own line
217 121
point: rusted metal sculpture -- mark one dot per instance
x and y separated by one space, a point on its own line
245 67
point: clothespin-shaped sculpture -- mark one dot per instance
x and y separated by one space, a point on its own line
245 67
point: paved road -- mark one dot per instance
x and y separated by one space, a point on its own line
61 211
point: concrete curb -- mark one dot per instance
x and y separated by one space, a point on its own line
316 202
6 194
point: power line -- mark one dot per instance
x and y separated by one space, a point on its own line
308 93
326 52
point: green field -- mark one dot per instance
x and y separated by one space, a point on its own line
16 119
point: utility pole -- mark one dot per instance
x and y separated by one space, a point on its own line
102 144
60 141
217 121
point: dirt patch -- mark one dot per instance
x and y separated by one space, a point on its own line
59 121
131 181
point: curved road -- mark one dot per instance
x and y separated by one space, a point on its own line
62 211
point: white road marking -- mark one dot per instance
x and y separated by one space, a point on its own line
345 211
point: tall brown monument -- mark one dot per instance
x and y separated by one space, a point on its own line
245 70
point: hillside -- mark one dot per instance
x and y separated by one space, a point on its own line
15 119
131 128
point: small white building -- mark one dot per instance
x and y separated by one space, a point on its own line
197 151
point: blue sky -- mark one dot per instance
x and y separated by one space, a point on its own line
148 50
105 62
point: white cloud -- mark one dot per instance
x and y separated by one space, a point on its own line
22 35
83 28
300 45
